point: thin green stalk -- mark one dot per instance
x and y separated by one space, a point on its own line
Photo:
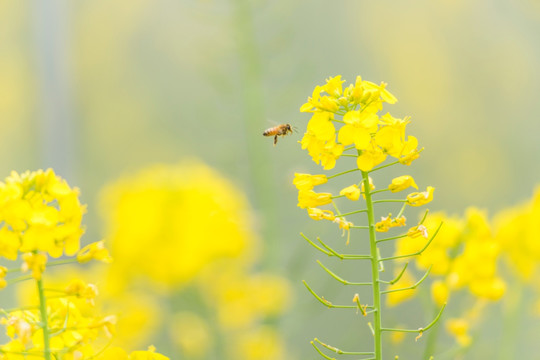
44 320
374 270
431 341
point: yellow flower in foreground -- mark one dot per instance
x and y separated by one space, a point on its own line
39 212
351 192
172 221
402 183
420 198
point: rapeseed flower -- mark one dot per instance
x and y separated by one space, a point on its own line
401 183
188 215
39 211
373 137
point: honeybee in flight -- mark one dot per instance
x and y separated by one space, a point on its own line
280 130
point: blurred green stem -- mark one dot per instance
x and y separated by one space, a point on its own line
512 307
259 162
44 320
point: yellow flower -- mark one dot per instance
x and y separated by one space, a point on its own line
420 198
370 158
308 181
82 290
3 273
346 226
321 127
387 222
358 129
178 219
334 86
311 199
402 183
39 211
94 251
150 354
351 192
242 299
34 262
440 292
263 343
318 214
417 231
459 328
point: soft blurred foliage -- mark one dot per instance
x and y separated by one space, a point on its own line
99 89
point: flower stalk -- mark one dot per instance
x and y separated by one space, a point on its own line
374 269
375 138
44 320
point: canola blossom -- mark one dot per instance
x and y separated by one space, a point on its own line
183 217
346 123
40 216
39 211
372 136
198 227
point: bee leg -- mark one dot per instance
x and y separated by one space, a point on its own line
275 140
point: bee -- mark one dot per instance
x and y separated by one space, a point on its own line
280 130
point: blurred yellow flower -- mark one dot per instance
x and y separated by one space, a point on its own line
517 231
397 297
173 220
191 332
94 251
459 328
440 292
243 299
263 343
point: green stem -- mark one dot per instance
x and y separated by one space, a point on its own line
374 269
44 320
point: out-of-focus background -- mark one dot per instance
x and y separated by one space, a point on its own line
100 90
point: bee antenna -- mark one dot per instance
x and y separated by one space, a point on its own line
295 129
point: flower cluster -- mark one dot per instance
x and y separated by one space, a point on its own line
343 120
517 231
182 217
194 230
464 256
374 137
39 211
40 215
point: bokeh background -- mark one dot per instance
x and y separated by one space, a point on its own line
100 90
